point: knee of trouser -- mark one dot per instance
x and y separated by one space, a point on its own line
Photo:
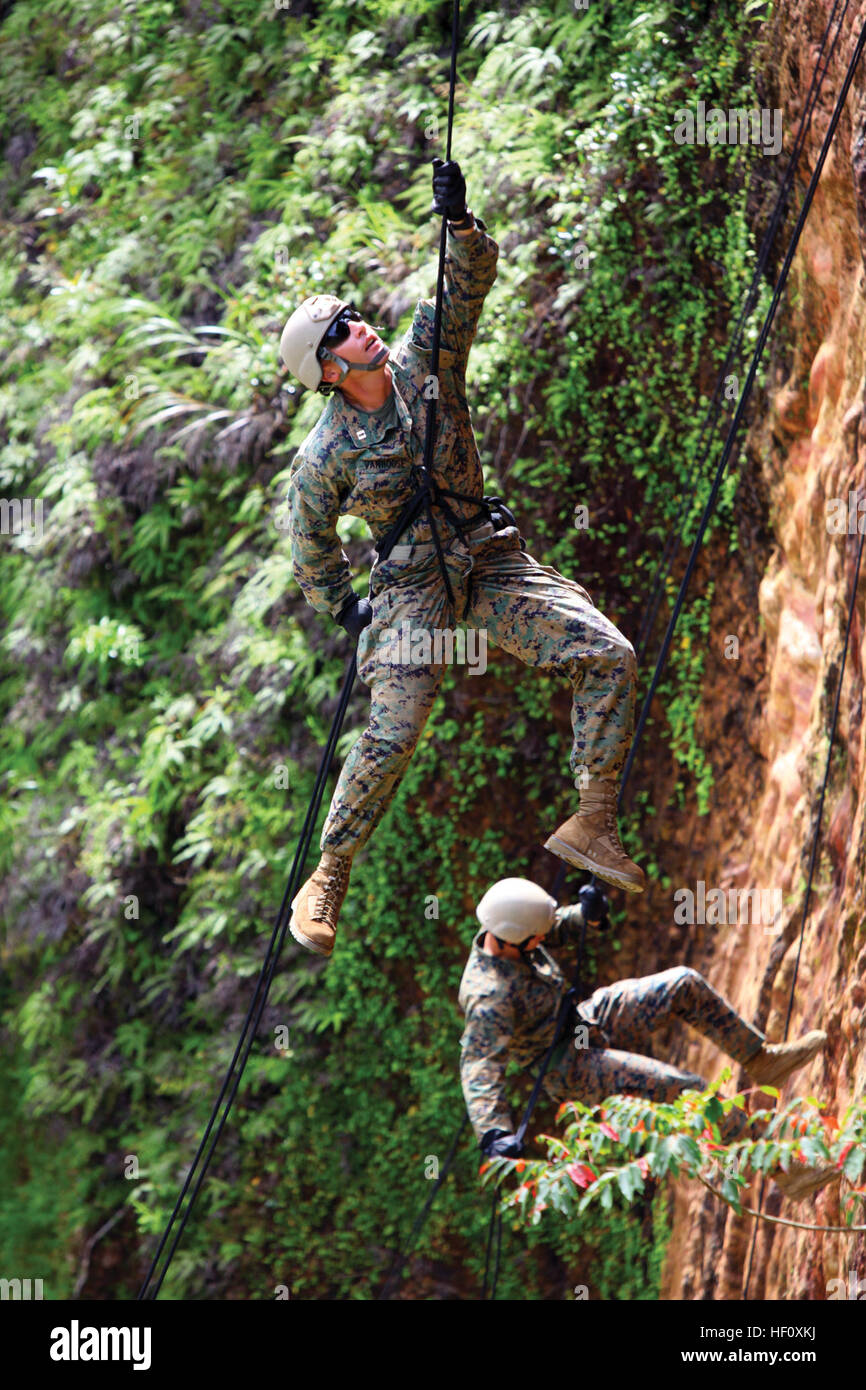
396 743
680 977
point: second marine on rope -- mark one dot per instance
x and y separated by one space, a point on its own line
510 995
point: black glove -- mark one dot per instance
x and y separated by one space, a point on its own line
449 190
355 615
595 906
498 1143
500 515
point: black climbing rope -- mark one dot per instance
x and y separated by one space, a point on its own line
813 856
820 813
429 490
151 1286
494 1241
567 1005
734 427
198 1169
779 213
710 507
402 1256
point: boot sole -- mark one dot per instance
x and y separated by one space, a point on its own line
582 861
306 942
777 1078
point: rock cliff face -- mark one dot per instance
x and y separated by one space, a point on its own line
767 714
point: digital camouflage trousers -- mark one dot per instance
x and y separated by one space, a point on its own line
513 602
629 1012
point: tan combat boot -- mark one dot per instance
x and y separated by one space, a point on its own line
774 1061
590 839
316 907
802 1182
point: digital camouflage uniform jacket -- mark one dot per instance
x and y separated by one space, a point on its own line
510 1017
351 463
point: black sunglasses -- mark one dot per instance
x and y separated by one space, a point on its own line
338 331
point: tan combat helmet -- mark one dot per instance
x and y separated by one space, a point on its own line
302 337
303 334
514 909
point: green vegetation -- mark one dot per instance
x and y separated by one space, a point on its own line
173 180
618 1148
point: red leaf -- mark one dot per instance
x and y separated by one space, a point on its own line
643 1164
610 1132
846 1149
581 1174
519 1166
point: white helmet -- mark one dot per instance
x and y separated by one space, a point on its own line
301 343
514 909
303 334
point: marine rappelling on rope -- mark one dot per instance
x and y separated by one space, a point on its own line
367 461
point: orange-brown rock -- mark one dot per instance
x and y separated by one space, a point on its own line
807 446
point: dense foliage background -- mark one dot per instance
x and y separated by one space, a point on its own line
174 178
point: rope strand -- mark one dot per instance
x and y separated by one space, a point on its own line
150 1287
733 431
779 212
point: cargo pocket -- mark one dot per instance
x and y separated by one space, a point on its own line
375 645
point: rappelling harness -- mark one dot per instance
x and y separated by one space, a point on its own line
428 494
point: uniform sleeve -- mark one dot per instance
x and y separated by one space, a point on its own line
566 926
319 562
470 269
484 1055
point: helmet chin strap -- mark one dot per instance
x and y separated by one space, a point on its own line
346 367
